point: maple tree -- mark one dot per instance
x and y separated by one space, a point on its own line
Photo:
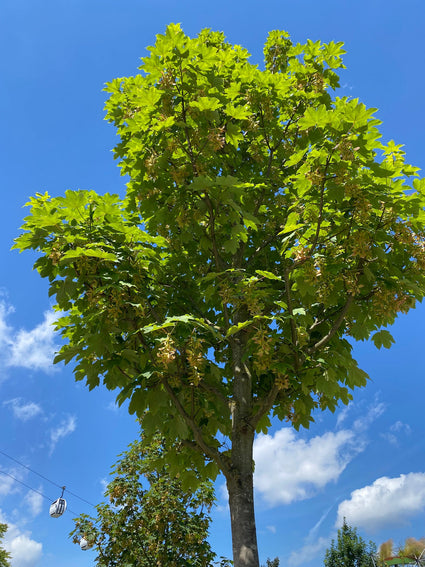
264 225
148 519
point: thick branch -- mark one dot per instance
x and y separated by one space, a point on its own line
208 451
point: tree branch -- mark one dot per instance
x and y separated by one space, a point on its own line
217 257
265 406
208 451
294 335
215 391
324 340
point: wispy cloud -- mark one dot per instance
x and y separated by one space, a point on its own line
343 414
34 501
388 501
7 481
365 421
397 430
33 349
66 427
5 330
308 552
23 411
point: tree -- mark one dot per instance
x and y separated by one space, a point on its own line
413 549
350 550
264 224
272 563
149 519
4 555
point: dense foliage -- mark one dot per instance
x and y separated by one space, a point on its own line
350 550
149 519
264 225
4 555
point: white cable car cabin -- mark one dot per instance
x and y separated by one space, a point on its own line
84 544
58 507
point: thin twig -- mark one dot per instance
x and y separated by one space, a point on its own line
324 340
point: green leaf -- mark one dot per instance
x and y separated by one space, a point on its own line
238 112
233 134
206 103
292 223
383 339
236 328
268 275
319 116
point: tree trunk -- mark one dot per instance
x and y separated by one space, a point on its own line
240 487
240 476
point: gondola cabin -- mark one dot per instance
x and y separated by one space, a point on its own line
57 508
84 544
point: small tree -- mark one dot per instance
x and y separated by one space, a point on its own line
272 563
4 555
149 519
350 550
263 225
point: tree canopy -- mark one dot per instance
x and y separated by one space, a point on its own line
350 550
149 519
263 226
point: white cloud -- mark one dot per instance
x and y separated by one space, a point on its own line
104 484
35 501
5 330
289 468
8 481
23 411
65 428
388 501
35 349
25 551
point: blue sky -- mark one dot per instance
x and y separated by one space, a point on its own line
366 461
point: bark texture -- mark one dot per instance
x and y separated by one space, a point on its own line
240 478
241 501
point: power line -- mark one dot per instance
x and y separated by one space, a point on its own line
26 485
41 476
33 489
